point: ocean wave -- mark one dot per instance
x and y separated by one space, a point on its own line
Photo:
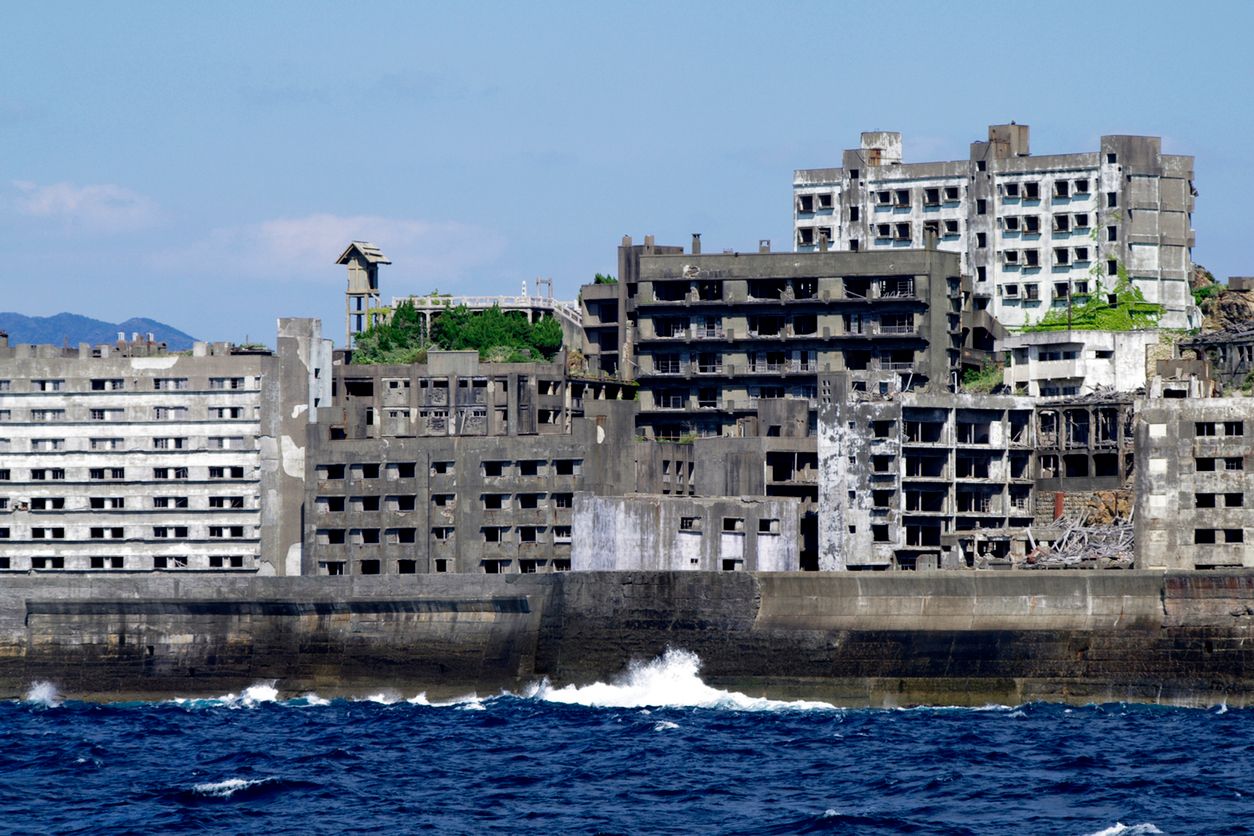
1121 829
672 680
240 789
43 694
251 697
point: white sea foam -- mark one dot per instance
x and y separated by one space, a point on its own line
1121 829
420 699
227 788
383 698
43 693
665 725
671 680
251 697
312 699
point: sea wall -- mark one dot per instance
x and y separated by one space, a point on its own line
851 638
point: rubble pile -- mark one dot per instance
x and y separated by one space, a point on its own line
1086 542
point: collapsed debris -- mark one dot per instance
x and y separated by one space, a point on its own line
1084 542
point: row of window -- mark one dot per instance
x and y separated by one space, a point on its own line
112 474
489 469
490 566
117 384
440 534
118 503
161 561
213 442
118 532
1032 290
1219 428
158 413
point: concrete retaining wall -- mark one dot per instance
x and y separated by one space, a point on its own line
850 638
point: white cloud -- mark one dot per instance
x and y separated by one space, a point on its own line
100 207
305 249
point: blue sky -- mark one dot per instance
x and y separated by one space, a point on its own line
204 164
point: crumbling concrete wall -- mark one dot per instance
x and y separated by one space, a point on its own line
676 533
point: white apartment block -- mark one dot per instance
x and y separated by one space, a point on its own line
128 458
1033 232
1055 364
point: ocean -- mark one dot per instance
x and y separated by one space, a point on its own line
654 751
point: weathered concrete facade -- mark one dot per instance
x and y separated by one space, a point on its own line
849 638
129 458
1194 495
921 480
459 466
672 533
1052 364
1030 229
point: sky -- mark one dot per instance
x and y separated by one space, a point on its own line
205 164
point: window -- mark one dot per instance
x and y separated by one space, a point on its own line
169 413
226 383
981 206
112 503
48 474
563 500
47 533
1112 158
1062 189
169 561
1081 186
222 472
1031 291
106 533
226 442
106 385
768 526
47 385
1234 463
169 443
171 502
169 473
44 445
1010 191
1234 428
234 532
165 384
1112 267
441 468
226 502
105 444
689 523
233 561
1112 200
733 524
47 563
442 534
47 414
56 503
225 412
561 534
568 467
494 469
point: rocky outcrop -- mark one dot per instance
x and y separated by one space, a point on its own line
1221 308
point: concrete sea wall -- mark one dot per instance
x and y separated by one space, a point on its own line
850 638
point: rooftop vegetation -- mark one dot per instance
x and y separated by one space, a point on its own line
499 336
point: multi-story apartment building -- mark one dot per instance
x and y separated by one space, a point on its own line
460 466
129 458
921 479
1194 506
1052 364
715 336
1035 233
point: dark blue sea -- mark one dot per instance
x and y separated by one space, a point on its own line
656 751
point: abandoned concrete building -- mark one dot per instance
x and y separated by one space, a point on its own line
1230 352
1193 484
456 465
922 480
615 533
1029 229
1052 364
128 458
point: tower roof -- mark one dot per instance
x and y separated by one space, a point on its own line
368 251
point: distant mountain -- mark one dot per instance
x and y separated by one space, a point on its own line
75 329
